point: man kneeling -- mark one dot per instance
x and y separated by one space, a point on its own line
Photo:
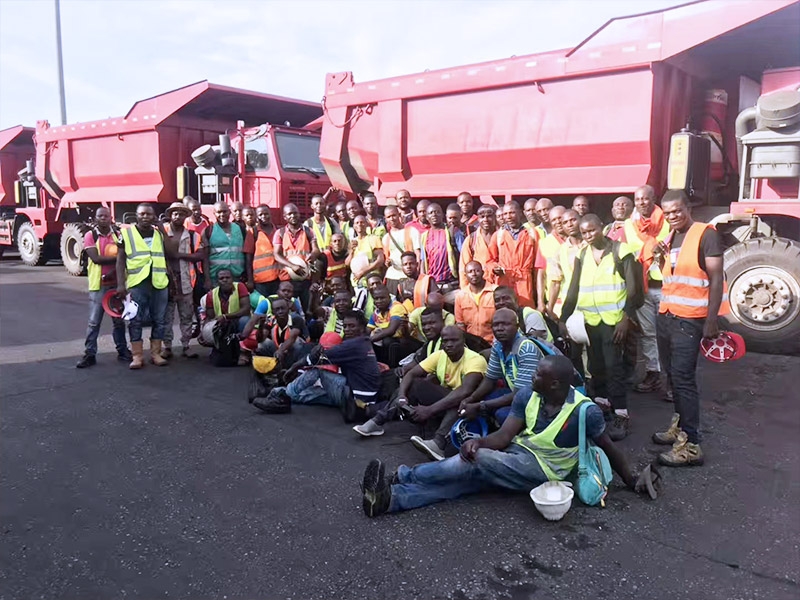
538 442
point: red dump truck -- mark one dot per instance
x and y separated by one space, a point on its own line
205 140
665 98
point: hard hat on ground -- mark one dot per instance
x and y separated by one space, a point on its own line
206 337
723 347
464 430
264 364
576 328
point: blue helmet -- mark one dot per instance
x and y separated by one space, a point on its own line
464 430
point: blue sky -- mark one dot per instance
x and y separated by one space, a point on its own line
119 51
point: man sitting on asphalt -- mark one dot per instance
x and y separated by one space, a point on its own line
537 443
432 325
280 336
388 328
457 371
435 302
359 375
475 305
228 304
512 364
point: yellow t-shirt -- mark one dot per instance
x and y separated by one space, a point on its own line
471 362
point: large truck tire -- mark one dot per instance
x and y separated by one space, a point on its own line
30 250
72 250
764 292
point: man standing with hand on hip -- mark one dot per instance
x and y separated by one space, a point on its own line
692 297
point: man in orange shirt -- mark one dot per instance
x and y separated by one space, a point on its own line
514 256
476 246
474 305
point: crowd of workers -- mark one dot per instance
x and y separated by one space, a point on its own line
437 315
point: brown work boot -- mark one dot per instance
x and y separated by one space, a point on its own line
137 350
683 453
155 354
650 383
670 436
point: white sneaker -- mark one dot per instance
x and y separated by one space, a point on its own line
368 429
429 447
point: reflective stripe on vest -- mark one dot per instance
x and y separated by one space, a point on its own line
264 266
226 251
336 268
685 292
291 248
514 362
323 238
94 271
602 293
557 463
233 301
141 260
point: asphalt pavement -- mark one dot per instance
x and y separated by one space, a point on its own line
165 483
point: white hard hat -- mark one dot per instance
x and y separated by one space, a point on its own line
207 333
576 328
297 260
131 309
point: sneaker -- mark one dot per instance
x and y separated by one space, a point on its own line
603 403
277 402
429 447
376 493
683 453
650 383
368 429
670 436
88 360
618 428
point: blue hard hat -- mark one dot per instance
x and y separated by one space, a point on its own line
463 430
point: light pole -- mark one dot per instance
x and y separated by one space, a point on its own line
60 65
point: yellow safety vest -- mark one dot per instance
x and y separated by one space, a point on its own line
233 301
602 292
140 259
636 244
95 271
557 463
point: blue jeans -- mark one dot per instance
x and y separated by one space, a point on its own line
304 390
96 313
678 348
511 469
152 301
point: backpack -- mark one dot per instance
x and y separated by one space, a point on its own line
594 470
225 352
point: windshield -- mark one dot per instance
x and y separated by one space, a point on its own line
256 155
299 152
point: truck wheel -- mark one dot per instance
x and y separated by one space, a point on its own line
30 251
764 292
72 249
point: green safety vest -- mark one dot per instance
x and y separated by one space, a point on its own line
95 271
226 252
140 259
557 463
334 323
233 301
602 292
527 310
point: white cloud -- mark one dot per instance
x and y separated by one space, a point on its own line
117 52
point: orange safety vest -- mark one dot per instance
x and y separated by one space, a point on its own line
294 246
336 268
265 269
685 291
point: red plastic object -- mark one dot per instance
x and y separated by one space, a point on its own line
724 347
113 305
330 339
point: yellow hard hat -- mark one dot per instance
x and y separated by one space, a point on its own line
264 364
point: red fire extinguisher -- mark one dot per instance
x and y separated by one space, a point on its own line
715 110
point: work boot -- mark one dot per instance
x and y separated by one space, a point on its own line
683 453
88 360
277 402
137 350
166 351
670 436
155 354
189 353
376 493
650 383
618 427
124 355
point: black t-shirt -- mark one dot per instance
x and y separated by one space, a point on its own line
356 358
710 245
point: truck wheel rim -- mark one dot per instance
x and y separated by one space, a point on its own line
27 243
764 298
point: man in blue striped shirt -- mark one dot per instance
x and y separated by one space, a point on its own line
512 365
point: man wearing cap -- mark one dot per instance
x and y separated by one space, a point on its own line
142 272
185 248
100 244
